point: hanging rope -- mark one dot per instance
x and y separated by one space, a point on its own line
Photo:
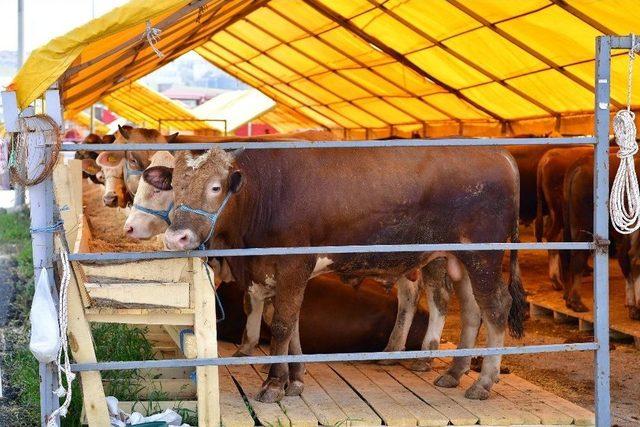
152 35
47 133
63 353
624 205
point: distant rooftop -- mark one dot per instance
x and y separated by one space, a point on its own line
200 94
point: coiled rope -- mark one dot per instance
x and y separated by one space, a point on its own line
624 203
47 132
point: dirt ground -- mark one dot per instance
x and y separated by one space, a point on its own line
569 375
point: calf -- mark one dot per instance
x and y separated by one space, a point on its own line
342 196
578 226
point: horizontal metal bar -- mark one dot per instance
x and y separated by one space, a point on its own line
312 250
330 144
622 42
337 357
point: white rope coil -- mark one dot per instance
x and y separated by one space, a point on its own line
624 203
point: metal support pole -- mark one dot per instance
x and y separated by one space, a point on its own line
43 255
92 118
19 191
601 232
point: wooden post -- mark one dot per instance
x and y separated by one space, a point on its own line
207 345
82 349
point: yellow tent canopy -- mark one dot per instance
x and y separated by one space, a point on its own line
286 120
237 107
83 119
476 67
146 107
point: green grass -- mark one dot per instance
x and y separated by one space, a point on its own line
14 227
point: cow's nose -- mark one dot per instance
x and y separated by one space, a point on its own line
128 230
110 199
180 240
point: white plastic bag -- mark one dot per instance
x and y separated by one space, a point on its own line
45 331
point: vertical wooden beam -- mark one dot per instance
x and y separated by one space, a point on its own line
207 345
82 349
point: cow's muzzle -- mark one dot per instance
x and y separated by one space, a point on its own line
182 239
110 199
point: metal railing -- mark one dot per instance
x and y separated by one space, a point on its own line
599 245
223 121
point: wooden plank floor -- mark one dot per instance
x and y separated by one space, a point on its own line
363 394
545 301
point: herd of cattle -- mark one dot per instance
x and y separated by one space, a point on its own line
344 196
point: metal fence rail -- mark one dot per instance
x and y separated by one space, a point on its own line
458 142
600 346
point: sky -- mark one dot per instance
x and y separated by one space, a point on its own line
46 19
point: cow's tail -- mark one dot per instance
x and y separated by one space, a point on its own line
518 309
541 206
565 255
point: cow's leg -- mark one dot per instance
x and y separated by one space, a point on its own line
291 279
554 270
296 370
437 286
408 293
471 319
577 267
253 307
494 300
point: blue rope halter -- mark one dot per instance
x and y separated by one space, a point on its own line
212 217
128 172
162 214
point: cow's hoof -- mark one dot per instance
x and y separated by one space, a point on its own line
239 353
476 392
421 365
447 380
634 313
272 391
295 388
265 368
577 306
555 283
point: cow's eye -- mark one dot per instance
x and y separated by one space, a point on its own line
216 188
156 191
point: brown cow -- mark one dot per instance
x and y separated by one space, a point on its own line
552 169
343 196
149 216
578 226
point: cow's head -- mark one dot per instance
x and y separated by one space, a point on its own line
90 168
153 201
115 193
202 181
137 161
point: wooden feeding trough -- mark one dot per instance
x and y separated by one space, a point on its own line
174 297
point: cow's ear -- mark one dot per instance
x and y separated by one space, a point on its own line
158 177
235 181
110 158
172 138
90 166
124 131
108 139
